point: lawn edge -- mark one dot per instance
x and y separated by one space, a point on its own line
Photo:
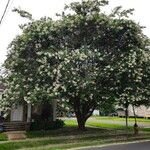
112 144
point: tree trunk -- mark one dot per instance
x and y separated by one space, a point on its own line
136 130
126 115
81 123
83 112
134 114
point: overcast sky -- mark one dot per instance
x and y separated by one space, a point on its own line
39 8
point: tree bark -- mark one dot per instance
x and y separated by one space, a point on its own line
126 115
134 114
81 123
81 119
82 111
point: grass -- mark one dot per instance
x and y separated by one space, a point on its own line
97 124
84 143
143 120
105 125
67 131
55 138
3 137
98 133
98 142
61 139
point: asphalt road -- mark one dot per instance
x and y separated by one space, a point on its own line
131 146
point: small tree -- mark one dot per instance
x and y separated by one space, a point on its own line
134 76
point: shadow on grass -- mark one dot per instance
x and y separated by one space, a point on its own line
67 130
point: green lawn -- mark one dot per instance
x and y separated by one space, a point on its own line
69 137
99 124
3 137
123 119
95 124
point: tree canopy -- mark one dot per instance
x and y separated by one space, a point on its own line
85 58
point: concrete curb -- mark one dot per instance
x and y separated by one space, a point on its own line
112 144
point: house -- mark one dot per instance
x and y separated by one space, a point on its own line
96 112
141 111
20 115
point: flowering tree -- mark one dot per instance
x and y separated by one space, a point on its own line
118 52
28 68
134 77
83 59
83 82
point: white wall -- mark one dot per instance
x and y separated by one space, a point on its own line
96 112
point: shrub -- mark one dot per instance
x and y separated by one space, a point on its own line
47 125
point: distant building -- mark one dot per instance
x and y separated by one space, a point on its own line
96 112
141 111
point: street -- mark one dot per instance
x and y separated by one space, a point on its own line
131 146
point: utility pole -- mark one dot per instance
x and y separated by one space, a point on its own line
4 11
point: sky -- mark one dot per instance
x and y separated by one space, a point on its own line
39 8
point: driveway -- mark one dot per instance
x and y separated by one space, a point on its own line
131 146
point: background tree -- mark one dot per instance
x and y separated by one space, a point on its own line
26 64
133 73
108 109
